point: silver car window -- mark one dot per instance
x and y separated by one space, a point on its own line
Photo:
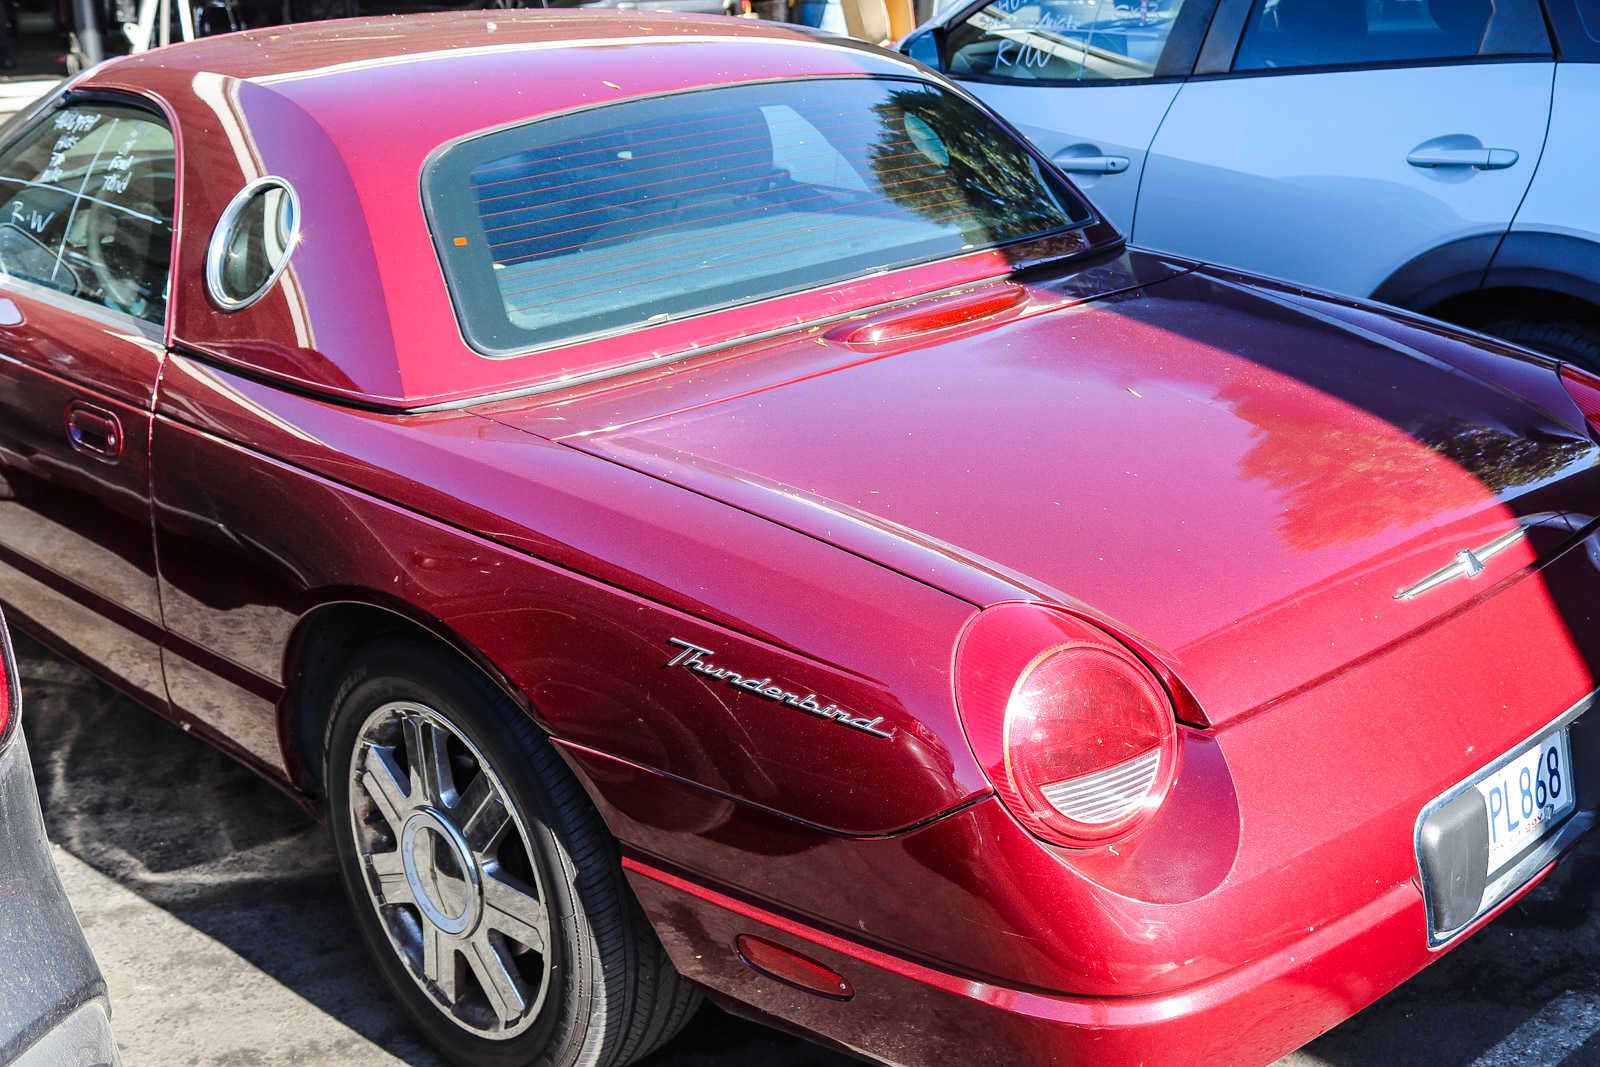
1063 40
1286 34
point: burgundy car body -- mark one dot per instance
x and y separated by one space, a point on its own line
824 490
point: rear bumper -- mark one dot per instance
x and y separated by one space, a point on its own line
905 1012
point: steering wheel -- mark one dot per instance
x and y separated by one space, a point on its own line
126 243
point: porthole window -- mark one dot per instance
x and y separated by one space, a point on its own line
252 243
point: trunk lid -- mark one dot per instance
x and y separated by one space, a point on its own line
1248 488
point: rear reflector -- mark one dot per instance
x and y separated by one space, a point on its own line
791 968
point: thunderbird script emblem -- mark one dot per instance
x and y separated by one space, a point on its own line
697 660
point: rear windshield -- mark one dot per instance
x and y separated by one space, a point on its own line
656 209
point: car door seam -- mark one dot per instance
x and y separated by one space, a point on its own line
150 507
1544 143
1149 154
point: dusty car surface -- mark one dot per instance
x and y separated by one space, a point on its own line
705 509
53 1005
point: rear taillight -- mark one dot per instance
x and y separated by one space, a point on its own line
1584 388
9 694
1075 732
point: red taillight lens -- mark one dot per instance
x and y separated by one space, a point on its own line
8 685
1075 732
1584 388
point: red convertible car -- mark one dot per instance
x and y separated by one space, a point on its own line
706 509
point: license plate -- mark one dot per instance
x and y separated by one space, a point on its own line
1527 797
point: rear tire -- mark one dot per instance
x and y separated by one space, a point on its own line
483 882
1569 340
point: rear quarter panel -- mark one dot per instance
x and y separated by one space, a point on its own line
566 576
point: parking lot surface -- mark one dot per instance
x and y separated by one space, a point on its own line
212 904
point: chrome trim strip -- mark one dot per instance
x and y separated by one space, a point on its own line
1575 826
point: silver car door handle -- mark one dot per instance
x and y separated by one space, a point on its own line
1091 164
1476 158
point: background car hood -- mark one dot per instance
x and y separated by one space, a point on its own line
1231 475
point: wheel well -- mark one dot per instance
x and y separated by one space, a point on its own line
1484 307
326 639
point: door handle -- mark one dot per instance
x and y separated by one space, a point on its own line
1476 158
94 431
1091 164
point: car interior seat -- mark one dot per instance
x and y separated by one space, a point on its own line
1317 32
1464 22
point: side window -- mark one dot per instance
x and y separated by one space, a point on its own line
1064 40
86 206
252 242
1589 17
1317 33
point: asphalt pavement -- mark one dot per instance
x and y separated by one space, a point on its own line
212 904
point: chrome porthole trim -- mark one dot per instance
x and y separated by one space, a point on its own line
217 248
449 871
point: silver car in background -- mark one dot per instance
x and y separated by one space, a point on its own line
1433 154
53 1006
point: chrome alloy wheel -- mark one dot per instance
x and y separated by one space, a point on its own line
449 870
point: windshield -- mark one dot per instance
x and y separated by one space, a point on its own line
651 210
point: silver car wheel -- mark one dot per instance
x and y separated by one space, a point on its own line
449 870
